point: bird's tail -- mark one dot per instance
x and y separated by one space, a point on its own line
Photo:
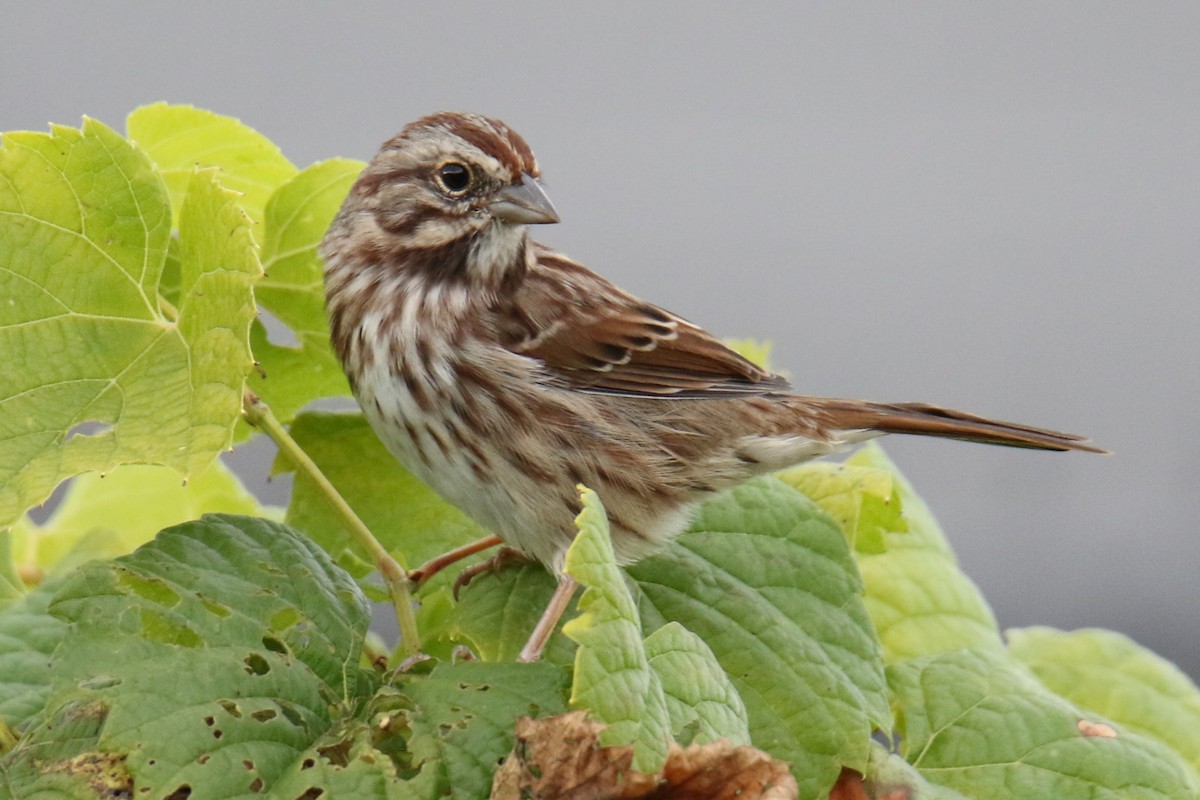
922 419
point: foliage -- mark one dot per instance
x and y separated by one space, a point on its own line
163 634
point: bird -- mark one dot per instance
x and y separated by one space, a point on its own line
505 375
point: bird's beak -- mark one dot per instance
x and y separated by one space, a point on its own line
524 203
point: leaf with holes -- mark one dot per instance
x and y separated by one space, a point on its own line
767 580
462 719
98 371
220 652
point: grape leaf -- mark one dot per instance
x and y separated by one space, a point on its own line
110 515
98 371
181 138
292 375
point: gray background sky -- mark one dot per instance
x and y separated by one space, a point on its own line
992 207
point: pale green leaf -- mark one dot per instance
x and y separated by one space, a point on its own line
180 138
1110 674
110 515
766 579
978 722
98 372
920 601
613 678
292 375
863 500
701 701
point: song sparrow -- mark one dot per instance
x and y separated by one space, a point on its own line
504 374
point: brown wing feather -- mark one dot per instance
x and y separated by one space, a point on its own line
599 338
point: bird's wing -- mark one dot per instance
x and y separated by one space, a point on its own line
596 337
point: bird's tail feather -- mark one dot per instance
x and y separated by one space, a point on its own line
922 419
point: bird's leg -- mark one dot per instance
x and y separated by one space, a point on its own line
505 555
436 564
559 601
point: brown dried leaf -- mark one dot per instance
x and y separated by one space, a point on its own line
560 757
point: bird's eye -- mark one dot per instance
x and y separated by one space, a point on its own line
454 178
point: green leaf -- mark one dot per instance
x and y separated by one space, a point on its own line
1110 674
767 581
863 500
293 290
180 138
97 373
405 515
463 718
613 678
981 724
496 613
108 516
702 704
265 630
28 634
919 600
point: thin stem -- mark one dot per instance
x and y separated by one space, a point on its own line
258 414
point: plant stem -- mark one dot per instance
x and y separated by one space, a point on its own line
258 414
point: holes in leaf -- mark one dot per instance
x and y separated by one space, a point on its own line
263 715
91 427
153 589
182 793
291 714
256 785
278 332
275 645
231 708
311 793
256 664
337 754
308 763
